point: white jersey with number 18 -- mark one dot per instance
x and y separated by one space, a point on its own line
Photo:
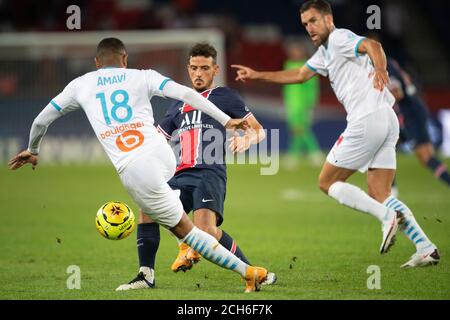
117 104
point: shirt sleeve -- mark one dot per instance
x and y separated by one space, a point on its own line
235 106
346 43
167 125
40 125
188 95
66 101
156 82
317 64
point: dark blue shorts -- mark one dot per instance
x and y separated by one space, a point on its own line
201 189
415 126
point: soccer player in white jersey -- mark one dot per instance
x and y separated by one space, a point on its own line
356 68
116 101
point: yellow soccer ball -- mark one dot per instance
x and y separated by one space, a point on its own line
115 220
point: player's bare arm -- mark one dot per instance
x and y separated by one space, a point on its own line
300 75
236 124
37 132
254 135
376 53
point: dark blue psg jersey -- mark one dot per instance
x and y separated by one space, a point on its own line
411 101
202 140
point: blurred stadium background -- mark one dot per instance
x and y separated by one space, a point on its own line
39 56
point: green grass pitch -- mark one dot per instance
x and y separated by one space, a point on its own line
318 248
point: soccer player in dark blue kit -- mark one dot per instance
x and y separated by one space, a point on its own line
201 173
414 116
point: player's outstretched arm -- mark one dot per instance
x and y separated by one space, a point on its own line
235 124
254 135
376 53
37 132
177 91
300 75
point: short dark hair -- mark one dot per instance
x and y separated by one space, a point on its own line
203 50
109 46
320 5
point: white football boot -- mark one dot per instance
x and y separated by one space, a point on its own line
389 227
142 281
423 258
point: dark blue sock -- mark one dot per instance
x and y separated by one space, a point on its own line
439 169
147 243
231 245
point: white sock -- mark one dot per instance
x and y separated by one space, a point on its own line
409 227
212 250
353 197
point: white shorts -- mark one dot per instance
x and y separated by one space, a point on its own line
145 179
367 143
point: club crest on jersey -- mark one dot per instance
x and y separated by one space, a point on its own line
103 81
